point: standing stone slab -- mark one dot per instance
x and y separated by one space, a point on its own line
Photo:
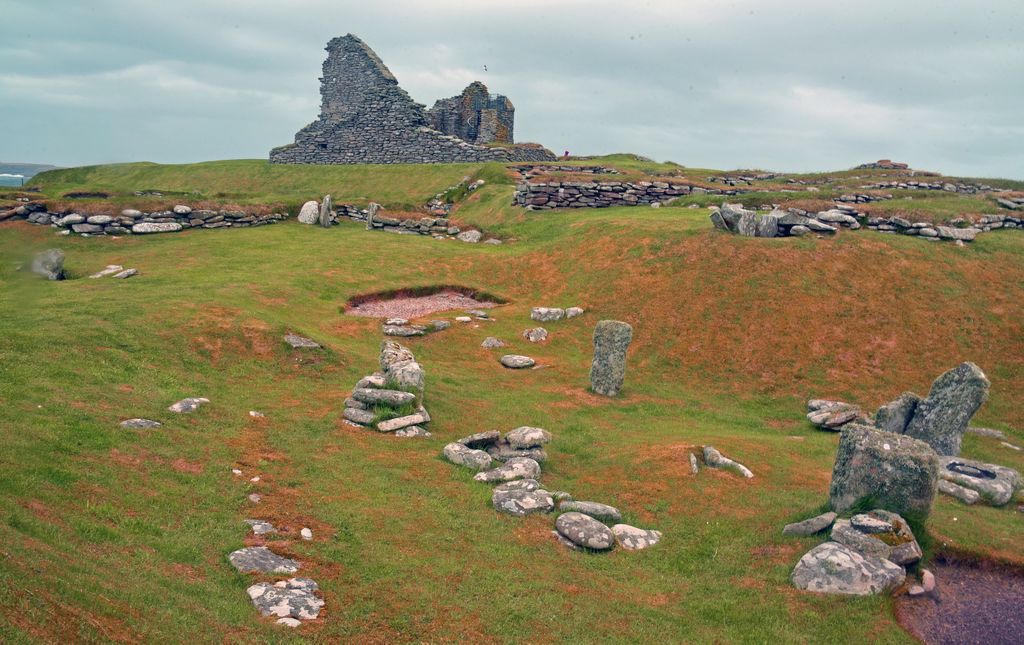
608 371
898 473
896 415
325 211
941 419
834 568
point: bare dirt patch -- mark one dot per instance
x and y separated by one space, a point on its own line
410 305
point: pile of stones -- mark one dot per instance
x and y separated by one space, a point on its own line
534 335
739 180
403 328
1013 203
135 222
861 198
529 171
391 400
580 525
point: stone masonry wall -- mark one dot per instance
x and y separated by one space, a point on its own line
134 222
366 118
475 116
593 194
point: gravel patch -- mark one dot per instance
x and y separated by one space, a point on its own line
417 307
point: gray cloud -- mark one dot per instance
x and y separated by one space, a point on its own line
800 85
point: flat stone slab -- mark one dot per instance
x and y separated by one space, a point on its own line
517 362
525 437
878 533
398 423
514 498
994 484
834 568
301 342
403 331
359 416
292 598
634 539
460 455
140 423
965 495
259 527
190 404
390 398
260 559
110 269
515 468
810 526
585 531
596 510
481 440
502 451
413 431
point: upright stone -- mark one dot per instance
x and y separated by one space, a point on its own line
895 472
325 211
309 213
941 419
608 371
895 415
371 212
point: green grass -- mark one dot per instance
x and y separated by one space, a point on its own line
112 534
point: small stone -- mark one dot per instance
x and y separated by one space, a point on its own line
190 404
492 343
254 479
439 325
259 527
140 423
127 273
715 459
300 342
585 531
547 314
463 319
256 415
235 471
306 533
412 431
461 455
810 526
471 237
927 580
181 209
694 466
109 270
255 498
288 621
866 523
572 312
525 437
517 362
634 539
536 335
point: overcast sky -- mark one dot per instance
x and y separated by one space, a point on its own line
795 85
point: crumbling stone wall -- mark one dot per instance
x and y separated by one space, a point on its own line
475 116
365 117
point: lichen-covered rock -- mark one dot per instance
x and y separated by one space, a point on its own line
879 533
399 423
399 365
993 483
481 440
962 493
517 362
142 228
832 415
359 416
190 404
516 498
547 314
634 539
896 415
492 343
390 398
585 531
834 568
516 468
502 451
896 472
810 526
260 527
260 559
608 370
572 312
461 455
941 419
49 264
300 342
309 213
140 423
293 598
596 510
527 437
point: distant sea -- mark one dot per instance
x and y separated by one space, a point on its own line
10 180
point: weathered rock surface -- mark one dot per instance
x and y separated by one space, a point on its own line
517 362
492 343
399 365
390 398
293 598
965 495
502 451
471 237
413 431
110 269
459 454
547 314
49 264
897 472
596 510
143 228
995 484
519 499
634 539
300 342
832 415
715 459
525 437
260 527
140 423
896 415
260 559
834 568
941 419
190 404
398 423
572 312
585 531
359 416
127 273
515 468
309 213
481 440
810 526
608 370
536 334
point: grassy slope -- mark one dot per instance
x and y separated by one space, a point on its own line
732 336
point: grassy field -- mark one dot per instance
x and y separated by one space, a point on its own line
112 534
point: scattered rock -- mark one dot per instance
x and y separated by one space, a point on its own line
360 417
834 568
300 342
291 598
517 362
694 467
503 451
899 473
536 335
127 273
399 423
634 539
256 415
572 312
260 559
471 237
585 531
110 269
412 431
439 325
259 527
49 264
140 423
810 526
516 468
190 404
833 415
459 454
715 459
515 498
601 512
941 419
525 437
547 314
608 370
255 498
306 533
492 343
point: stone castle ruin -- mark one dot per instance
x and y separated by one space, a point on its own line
366 118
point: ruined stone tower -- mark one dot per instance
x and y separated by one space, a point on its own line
365 117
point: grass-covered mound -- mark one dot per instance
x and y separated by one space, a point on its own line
122 534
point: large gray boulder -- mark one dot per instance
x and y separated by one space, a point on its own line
834 568
459 454
583 530
515 468
768 225
596 510
941 419
309 212
525 437
896 472
896 415
49 264
608 371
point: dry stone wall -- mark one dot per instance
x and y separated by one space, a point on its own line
592 194
135 222
366 118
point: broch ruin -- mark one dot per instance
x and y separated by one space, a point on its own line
365 117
